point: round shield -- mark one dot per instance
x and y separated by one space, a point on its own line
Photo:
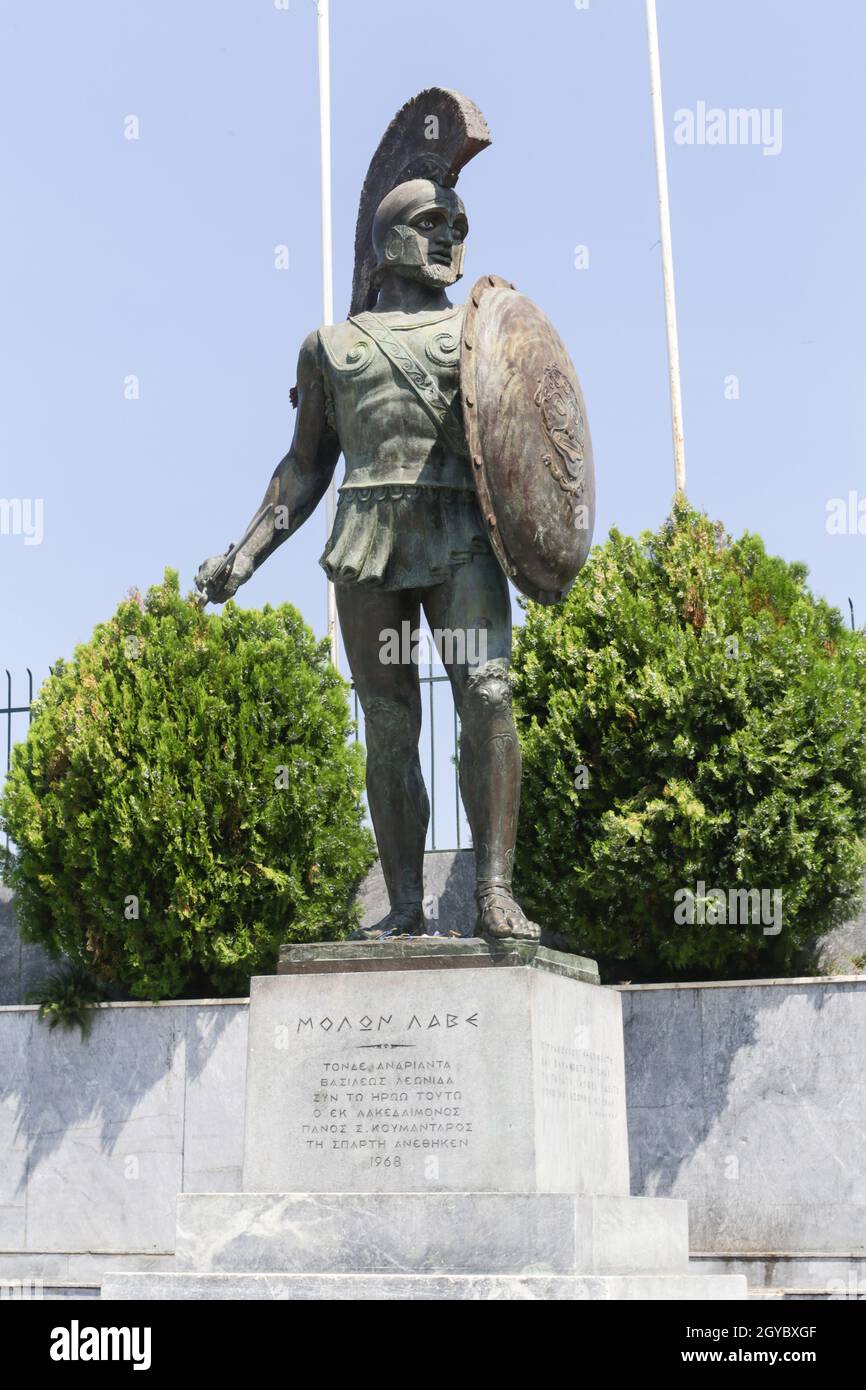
528 440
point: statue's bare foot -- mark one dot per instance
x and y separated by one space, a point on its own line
405 919
500 917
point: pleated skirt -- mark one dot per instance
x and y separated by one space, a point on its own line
394 537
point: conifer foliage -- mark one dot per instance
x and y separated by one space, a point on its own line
188 797
693 725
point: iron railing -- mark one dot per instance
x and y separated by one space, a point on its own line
8 713
8 710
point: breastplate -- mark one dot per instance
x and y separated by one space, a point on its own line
386 433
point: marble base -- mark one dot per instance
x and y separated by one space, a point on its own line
436 1120
429 1287
482 1233
450 1066
429 953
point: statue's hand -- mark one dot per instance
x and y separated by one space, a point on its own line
227 583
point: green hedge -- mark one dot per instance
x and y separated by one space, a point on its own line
187 798
716 711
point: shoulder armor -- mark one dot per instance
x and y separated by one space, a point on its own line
346 348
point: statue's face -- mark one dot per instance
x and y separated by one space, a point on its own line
419 232
439 233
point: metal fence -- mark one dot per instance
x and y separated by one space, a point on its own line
440 741
12 714
8 710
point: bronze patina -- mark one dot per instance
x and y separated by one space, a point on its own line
528 439
396 388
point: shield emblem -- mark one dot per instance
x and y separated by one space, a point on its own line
528 440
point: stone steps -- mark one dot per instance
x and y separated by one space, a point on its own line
790 1274
76 1268
441 1233
427 1287
54 1290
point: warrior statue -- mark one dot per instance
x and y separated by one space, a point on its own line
467 459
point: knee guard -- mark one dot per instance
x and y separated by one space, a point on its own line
488 695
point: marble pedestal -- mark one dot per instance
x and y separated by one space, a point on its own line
432 1120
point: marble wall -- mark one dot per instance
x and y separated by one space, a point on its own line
22 965
97 1138
748 1100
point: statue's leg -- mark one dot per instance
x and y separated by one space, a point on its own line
390 697
472 613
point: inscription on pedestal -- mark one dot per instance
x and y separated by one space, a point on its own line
433 1080
406 1106
576 1075
387 1098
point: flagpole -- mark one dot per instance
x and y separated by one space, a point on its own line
667 251
323 48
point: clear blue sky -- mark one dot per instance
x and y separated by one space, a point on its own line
156 257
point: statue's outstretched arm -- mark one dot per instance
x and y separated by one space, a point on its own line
297 485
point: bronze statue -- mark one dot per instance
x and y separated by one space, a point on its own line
445 491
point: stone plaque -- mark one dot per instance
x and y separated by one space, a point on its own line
436 1080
